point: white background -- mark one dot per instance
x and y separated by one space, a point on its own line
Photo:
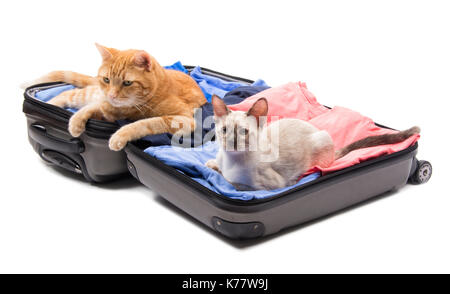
390 60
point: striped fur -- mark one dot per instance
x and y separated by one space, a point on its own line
377 141
70 77
130 85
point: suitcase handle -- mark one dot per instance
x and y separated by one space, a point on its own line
40 135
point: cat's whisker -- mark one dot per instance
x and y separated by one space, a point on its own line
138 108
112 100
146 106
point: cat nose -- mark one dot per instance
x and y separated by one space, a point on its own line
112 95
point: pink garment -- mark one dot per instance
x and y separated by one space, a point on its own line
345 126
292 100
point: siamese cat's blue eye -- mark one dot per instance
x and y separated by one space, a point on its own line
127 83
106 80
243 131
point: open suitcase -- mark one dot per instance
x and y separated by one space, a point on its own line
89 154
238 219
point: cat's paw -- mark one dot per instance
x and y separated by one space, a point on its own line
76 126
117 141
212 164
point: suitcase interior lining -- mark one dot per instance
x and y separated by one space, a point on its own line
137 149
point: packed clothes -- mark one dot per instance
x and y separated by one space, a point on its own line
208 84
292 100
235 96
47 94
204 127
191 161
345 126
215 86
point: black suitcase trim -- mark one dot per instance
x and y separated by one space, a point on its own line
95 128
134 148
234 218
238 219
89 154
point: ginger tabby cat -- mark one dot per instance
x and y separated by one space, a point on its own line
130 85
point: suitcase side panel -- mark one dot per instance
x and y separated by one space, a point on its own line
240 221
95 160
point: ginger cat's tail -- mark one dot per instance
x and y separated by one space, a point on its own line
70 77
377 141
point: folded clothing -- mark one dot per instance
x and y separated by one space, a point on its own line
345 126
46 95
177 66
191 161
202 129
202 126
208 84
292 100
215 86
356 127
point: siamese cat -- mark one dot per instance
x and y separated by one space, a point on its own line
256 156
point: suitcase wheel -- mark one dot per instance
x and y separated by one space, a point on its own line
422 173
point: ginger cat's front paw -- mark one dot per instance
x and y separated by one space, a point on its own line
118 141
77 125
212 164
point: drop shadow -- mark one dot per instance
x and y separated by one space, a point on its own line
123 182
244 244
63 172
126 181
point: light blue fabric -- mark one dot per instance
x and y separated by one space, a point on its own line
191 161
211 85
46 95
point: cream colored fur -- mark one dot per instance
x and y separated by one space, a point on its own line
284 150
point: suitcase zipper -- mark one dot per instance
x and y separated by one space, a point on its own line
136 150
94 128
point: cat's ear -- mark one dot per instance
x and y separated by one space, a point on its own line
220 108
104 51
142 59
259 109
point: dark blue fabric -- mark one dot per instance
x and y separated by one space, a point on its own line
233 97
208 84
211 85
191 161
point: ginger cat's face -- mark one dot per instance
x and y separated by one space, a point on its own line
126 77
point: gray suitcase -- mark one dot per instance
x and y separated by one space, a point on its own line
238 219
89 155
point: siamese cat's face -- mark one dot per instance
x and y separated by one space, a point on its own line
238 131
